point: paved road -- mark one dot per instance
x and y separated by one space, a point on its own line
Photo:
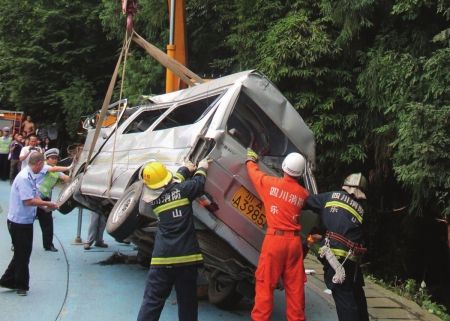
70 285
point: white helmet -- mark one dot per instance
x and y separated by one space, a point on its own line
294 165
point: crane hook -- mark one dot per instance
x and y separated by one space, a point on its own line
129 8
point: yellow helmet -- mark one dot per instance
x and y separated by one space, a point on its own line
156 175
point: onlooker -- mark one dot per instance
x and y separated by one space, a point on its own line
176 253
45 186
29 149
28 127
5 142
95 231
21 214
15 149
46 145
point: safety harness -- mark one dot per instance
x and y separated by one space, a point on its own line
357 249
354 250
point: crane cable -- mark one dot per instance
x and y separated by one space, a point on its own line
107 99
122 80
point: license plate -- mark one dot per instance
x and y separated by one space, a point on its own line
249 206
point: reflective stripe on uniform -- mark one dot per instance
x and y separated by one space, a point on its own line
345 207
343 254
176 259
171 205
201 172
180 177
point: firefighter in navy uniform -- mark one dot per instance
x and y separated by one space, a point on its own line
176 254
342 217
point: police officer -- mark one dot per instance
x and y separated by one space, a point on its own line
5 142
176 253
281 253
342 216
21 214
45 186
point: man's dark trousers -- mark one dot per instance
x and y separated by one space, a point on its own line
159 285
17 274
4 167
46 223
351 304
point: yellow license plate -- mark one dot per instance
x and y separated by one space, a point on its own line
249 206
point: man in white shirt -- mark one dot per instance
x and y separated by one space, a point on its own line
28 150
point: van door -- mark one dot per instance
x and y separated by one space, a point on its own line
243 125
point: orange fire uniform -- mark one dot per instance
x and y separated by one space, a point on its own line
281 253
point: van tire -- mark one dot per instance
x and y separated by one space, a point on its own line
124 218
223 294
65 199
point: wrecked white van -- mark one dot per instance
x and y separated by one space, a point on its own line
218 119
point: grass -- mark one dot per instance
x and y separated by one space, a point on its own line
418 293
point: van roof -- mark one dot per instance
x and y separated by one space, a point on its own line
259 88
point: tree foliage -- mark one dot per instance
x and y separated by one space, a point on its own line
51 51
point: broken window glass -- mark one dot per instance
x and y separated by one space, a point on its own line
188 113
143 121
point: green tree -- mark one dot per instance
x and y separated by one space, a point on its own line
51 52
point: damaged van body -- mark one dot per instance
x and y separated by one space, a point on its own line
218 119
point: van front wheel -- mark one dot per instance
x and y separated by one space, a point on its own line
65 199
124 218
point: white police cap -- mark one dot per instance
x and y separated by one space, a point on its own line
51 152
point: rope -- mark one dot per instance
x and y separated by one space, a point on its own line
122 80
325 251
105 105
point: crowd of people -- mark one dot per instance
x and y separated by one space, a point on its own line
15 148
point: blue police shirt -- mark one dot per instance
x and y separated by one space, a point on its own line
23 188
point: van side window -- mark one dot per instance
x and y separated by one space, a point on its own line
143 121
187 114
251 127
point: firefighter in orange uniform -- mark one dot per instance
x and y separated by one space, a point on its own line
281 254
